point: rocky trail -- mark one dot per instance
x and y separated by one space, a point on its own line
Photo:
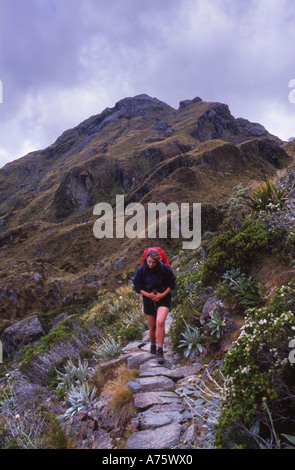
164 419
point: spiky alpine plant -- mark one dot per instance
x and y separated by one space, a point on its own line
267 198
108 349
192 341
77 398
73 374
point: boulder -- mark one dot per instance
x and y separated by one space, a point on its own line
215 306
24 332
211 307
57 320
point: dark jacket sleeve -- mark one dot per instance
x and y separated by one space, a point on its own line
137 280
170 279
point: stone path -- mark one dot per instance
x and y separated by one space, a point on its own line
163 421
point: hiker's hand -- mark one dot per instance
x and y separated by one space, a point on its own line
158 297
150 295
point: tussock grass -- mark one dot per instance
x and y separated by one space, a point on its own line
121 395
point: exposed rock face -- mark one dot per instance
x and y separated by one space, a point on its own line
76 192
24 332
80 187
120 263
214 123
217 122
9 236
266 149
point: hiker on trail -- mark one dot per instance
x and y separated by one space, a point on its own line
155 280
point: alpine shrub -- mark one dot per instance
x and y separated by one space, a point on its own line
234 248
258 370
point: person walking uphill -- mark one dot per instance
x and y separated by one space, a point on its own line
155 280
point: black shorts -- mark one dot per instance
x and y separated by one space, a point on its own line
150 307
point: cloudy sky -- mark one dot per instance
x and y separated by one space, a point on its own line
61 61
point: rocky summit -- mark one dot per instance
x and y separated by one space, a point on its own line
141 148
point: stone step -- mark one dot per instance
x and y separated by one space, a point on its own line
163 437
155 383
149 370
161 415
145 400
159 371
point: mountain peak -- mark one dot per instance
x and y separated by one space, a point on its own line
139 100
185 103
140 105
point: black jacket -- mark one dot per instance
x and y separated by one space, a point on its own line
158 278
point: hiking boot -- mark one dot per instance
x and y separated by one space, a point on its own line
153 349
160 355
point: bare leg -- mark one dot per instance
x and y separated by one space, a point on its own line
152 328
162 313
